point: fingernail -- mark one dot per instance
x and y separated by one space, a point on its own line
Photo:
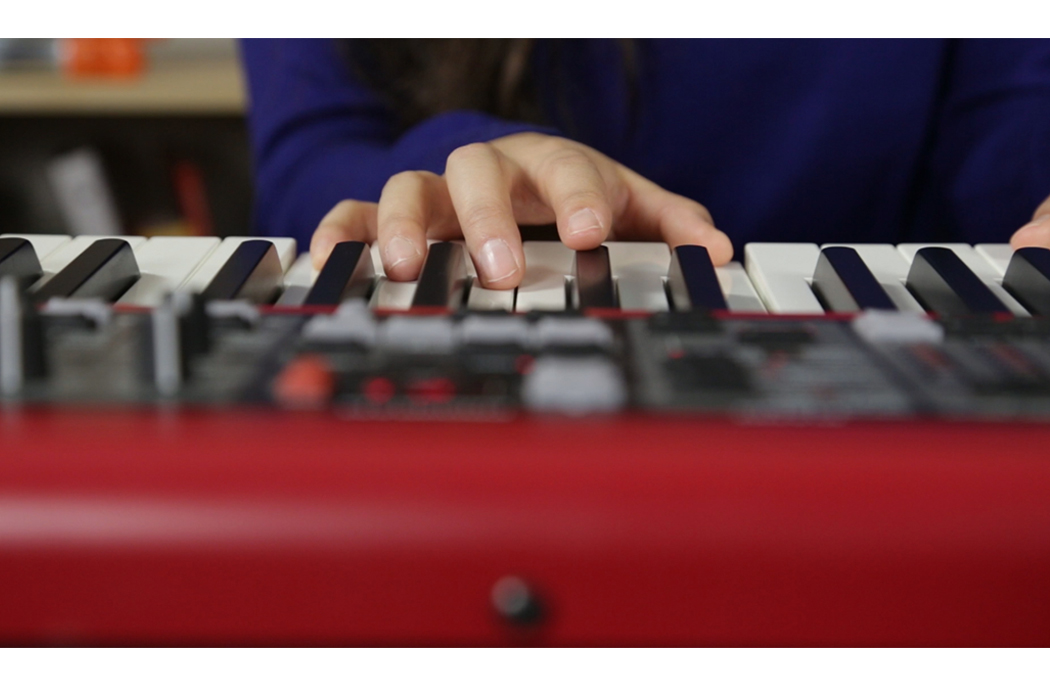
584 221
399 250
1039 221
496 260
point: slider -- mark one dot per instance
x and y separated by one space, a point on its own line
22 353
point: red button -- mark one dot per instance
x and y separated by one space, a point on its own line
435 390
305 382
378 390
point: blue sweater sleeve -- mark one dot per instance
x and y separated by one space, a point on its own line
319 136
991 155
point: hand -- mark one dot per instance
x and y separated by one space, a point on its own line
490 188
1036 233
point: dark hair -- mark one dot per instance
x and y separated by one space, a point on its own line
419 78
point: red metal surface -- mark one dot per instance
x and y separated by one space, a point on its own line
123 527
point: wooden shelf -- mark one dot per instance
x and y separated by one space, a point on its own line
197 86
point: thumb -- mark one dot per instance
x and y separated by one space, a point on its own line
1036 233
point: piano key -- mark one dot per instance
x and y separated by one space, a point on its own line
377 260
1028 279
548 265
481 299
594 288
348 274
639 270
165 262
392 296
781 273
18 259
253 273
43 244
979 265
62 255
846 284
691 280
443 277
998 256
946 285
105 270
890 268
736 286
207 270
297 281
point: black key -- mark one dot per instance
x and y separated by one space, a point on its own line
19 259
444 276
846 284
1028 279
104 271
945 285
692 281
252 273
594 288
347 274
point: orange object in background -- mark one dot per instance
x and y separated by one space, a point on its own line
102 58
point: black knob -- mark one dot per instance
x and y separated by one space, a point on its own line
516 602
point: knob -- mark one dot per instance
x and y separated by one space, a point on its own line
516 602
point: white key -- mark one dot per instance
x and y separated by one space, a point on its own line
998 256
978 264
889 268
298 281
782 273
165 263
207 270
481 299
377 260
639 270
65 254
43 244
736 286
548 264
393 296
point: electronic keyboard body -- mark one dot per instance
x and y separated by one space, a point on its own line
208 442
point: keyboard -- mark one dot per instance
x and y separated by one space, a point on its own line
775 278
207 441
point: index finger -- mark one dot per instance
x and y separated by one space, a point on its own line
350 220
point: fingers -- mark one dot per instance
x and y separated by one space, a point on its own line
590 194
347 221
653 213
570 183
412 204
1036 233
479 182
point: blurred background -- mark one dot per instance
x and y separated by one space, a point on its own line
123 136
